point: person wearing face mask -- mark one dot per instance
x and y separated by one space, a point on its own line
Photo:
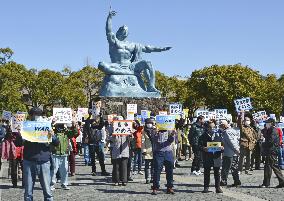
147 150
37 162
231 154
195 132
211 159
270 150
247 141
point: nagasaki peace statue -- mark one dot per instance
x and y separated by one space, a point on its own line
127 71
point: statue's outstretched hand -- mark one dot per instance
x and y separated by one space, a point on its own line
167 48
112 13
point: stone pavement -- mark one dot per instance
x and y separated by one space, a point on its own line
86 187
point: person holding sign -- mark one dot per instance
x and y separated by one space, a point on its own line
247 140
163 155
210 142
37 162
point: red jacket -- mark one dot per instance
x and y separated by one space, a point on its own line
280 133
138 137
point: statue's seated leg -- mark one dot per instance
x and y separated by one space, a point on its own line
114 69
147 69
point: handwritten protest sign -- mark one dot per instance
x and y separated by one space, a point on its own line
130 116
204 113
211 115
163 113
165 122
122 127
243 104
132 108
35 131
17 121
144 115
221 113
82 113
175 108
62 115
213 146
6 115
272 116
260 116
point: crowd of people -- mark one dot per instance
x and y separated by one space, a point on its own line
241 147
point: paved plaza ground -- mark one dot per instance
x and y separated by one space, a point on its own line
84 186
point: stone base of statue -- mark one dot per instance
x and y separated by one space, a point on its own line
125 86
118 105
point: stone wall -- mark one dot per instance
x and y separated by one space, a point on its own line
118 105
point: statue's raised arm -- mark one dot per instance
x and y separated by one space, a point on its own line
149 49
110 35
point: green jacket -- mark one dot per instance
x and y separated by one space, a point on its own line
63 147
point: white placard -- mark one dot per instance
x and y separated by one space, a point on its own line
176 109
204 113
260 116
122 127
243 104
6 115
221 113
132 108
62 115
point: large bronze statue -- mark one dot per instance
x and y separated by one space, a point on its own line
124 73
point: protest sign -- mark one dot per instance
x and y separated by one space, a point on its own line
204 113
35 131
213 146
6 115
175 109
221 113
243 104
96 108
122 127
132 108
82 113
211 115
165 122
144 115
272 116
163 113
130 116
17 121
62 115
259 116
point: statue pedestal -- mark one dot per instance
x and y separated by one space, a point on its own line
125 86
118 105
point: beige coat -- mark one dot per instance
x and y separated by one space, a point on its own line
147 147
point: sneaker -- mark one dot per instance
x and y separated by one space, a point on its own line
222 183
194 173
134 173
105 174
206 190
72 174
280 185
147 182
130 179
186 159
199 172
52 188
263 186
141 173
65 187
116 184
170 191
219 190
154 192
94 174
248 173
124 184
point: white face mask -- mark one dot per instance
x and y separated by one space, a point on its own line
149 125
247 122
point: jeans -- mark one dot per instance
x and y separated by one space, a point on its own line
149 169
86 154
207 176
160 159
271 163
99 150
137 160
31 169
196 163
230 163
59 163
244 152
